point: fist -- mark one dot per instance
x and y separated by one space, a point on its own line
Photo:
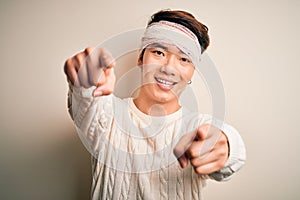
92 67
207 150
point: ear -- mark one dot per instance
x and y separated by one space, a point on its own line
140 61
140 58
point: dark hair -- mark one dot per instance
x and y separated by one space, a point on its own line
186 19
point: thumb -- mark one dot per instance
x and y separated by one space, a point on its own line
97 92
102 90
106 84
183 161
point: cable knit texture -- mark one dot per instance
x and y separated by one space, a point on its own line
133 152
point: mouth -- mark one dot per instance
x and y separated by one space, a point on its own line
165 84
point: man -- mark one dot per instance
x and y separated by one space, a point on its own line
136 143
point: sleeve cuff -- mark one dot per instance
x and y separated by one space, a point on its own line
84 92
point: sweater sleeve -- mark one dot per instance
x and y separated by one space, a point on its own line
92 116
237 154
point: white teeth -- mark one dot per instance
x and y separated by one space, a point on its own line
164 81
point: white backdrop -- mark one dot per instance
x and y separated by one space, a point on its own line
254 45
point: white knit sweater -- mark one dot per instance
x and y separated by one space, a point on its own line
133 152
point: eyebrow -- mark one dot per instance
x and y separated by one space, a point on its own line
158 45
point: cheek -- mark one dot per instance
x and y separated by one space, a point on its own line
150 65
150 69
148 60
187 74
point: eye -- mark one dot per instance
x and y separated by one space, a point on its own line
158 52
183 59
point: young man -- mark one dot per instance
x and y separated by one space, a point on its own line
151 147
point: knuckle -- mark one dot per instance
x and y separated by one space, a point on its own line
67 65
223 139
193 152
222 154
69 62
203 131
78 59
193 162
220 165
88 50
198 170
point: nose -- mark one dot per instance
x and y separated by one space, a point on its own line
169 67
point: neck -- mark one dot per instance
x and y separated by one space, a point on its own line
155 108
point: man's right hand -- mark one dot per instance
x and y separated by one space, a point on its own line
92 67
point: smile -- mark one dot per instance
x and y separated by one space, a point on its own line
165 82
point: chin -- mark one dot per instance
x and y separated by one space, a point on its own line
166 97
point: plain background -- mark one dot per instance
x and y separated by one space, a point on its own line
254 45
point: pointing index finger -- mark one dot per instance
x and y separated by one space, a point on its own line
98 61
209 134
106 59
202 132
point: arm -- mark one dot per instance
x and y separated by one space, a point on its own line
89 102
92 116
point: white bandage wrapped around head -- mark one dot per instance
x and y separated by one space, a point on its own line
174 34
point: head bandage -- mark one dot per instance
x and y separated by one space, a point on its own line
174 34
